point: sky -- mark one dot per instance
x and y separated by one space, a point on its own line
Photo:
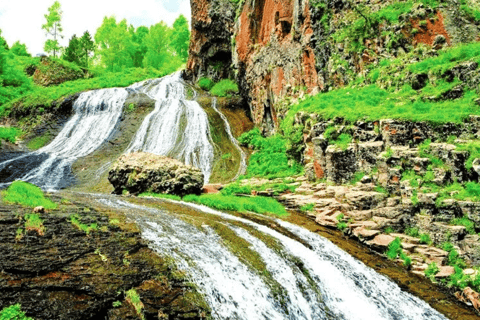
22 20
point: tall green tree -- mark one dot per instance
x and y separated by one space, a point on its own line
181 37
53 27
115 45
74 51
88 46
138 38
158 46
3 42
20 49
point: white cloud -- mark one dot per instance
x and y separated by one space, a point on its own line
22 19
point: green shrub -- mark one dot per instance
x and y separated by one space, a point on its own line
412 232
307 207
407 261
9 134
269 159
431 270
241 204
26 194
206 84
13 313
388 230
394 249
224 88
425 238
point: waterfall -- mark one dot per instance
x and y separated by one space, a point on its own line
96 114
342 287
243 157
177 127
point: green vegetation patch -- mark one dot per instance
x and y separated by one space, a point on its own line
38 142
133 298
13 313
206 84
224 88
34 222
270 158
9 134
257 204
75 219
26 194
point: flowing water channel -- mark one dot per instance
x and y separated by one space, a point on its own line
304 278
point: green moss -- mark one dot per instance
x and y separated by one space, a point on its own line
76 221
224 88
39 142
206 84
133 298
13 313
26 194
34 222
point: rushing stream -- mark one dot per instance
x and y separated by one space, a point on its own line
317 282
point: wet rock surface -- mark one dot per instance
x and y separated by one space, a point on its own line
140 172
66 273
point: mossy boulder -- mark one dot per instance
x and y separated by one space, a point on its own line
145 172
52 72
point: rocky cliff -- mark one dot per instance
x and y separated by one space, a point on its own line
282 50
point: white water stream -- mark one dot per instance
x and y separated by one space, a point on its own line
177 127
243 157
343 288
96 114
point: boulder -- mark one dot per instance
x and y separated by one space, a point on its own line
141 172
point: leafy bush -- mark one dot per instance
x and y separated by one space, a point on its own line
26 194
241 204
13 313
224 88
269 159
9 134
206 84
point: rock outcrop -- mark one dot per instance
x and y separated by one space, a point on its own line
65 272
141 172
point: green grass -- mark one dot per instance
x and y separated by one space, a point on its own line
41 96
431 270
26 194
13 313
466 222
343 141
224 88
257 204
34 222
75 219
206 84
38 142
160 195
236 188
9 134
270 158
307 207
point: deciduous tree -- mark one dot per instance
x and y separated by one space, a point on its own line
53 27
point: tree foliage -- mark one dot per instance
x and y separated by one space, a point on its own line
53 27
20 49
181 37
79 49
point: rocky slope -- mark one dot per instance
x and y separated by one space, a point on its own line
280 51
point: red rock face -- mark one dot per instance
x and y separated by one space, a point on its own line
274 56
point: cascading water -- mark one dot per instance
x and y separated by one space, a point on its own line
340 287
96 116
177 127
243 157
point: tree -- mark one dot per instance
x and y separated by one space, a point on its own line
53 28
115 44
138 38
181 37
74 51
88 46
158 45
3 42
20 49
